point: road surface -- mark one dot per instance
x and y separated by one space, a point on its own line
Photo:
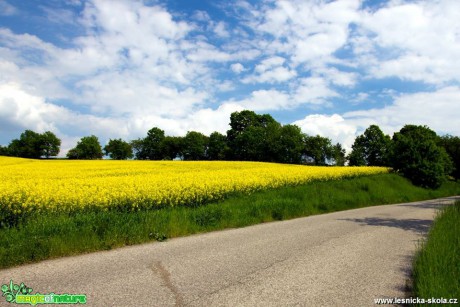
346 258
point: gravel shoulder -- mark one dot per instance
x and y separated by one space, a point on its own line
344 258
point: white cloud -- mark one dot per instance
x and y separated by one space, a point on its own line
201 16
337 77
269 63
208 120
237 68
132 19
205 52
131 62
273 75
308 32
313 90
438 110
226 86
333 126
221 30
416 41
264 100
271 70
360 97
20 110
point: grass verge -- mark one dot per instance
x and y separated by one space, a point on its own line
436 271
46 235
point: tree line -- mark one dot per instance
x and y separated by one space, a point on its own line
415 151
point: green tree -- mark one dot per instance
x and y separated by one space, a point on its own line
35 145
318 149
173 147
138 148
290 144
418 157
151 147
49 144
252 137
27 146
4 151
240 121
118 149
371 148
14 148
217 147
195 146
88 148
338 155
153 144
451 144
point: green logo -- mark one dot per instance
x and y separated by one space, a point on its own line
21 294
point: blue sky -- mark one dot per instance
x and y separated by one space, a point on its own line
118 68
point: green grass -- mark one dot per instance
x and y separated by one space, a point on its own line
436 271
47 236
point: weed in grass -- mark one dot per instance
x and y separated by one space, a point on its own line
158 236
277 214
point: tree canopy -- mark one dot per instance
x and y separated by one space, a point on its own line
371 148
195 146
451 145
418 157
118 149
217 147
34 145
88 148
318 149
151 147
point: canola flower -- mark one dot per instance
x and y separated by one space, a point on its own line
61 185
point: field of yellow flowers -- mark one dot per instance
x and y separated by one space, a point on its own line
62 185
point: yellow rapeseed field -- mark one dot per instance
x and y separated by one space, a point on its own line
36 185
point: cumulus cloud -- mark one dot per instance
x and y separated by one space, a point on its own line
221 30
264 100
20 110
420 41
209 120
314 90
271 70
308 31
438 110
237 68
333 126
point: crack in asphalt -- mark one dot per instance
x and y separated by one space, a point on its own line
245 278
165 275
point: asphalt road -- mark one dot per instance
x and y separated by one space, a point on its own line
340 259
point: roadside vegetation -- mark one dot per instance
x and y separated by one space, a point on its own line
436 269
49 235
